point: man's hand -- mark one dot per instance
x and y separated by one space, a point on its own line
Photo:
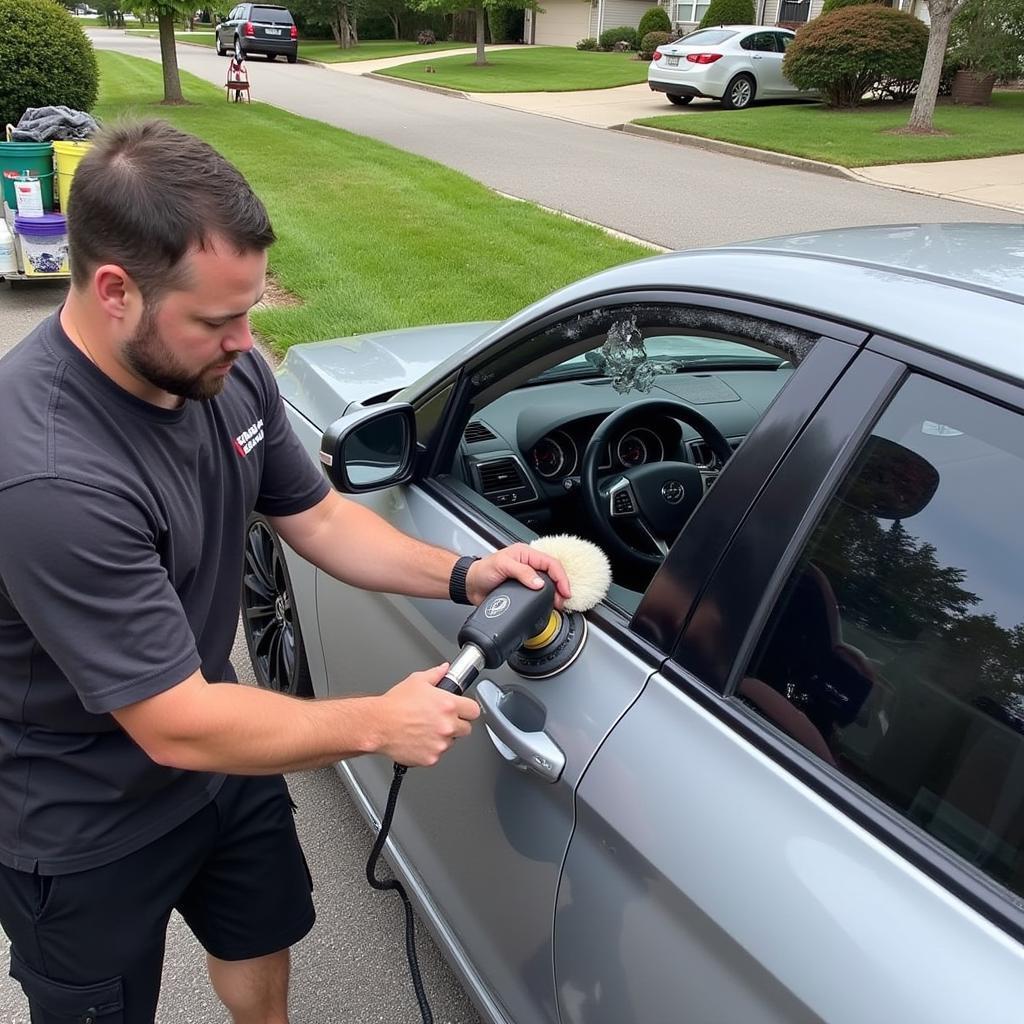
518 562
420 722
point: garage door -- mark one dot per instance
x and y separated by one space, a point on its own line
563 23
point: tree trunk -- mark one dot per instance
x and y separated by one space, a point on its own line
481 37
344 33
169 59
923 115
394 22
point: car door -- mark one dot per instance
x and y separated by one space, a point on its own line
482 834
813 812
767 61
783 40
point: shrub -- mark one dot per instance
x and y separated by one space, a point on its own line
655 19
834 5
729 12
623 34
590 43
848 52
426 37
47 59
651 42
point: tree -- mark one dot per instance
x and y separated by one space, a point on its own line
941 12
341 16
166 12
480 8
728 12
390 9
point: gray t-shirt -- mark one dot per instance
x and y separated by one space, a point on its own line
121 547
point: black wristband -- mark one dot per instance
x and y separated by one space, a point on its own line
457 582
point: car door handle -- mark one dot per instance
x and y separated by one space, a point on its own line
533 751
757 56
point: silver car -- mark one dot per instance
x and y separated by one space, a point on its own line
734 63
784 778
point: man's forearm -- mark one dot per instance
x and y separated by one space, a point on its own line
242 730
355 545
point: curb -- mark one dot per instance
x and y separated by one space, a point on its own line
454 93
745 152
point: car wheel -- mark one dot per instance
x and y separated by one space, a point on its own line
269 616
679 101
271 56
219 46
293 58
240 54
739 94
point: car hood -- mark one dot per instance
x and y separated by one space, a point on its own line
322 379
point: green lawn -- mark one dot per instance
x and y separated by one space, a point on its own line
327 52
862 137
532 69
370 237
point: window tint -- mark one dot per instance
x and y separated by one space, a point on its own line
896 650
271 15
709 37
764 42
782 41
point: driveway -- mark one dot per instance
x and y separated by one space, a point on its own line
671 195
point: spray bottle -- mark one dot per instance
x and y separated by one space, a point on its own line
8 258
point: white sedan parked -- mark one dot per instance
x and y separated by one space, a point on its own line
733 63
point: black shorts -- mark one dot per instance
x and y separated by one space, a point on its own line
89 946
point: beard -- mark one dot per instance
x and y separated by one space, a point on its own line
150 357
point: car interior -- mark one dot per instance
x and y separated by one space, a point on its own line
614 423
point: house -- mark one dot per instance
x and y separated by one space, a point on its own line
565 22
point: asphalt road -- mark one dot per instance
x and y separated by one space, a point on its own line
671 195
352 967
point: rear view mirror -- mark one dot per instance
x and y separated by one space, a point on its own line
370 449
892 481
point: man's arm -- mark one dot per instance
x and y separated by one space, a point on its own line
242 730
355 545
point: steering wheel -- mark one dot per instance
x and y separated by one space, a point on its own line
657 497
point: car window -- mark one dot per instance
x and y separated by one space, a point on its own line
527 436
707 37
271 15
782 41
896 650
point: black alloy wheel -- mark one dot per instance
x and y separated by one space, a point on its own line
269 616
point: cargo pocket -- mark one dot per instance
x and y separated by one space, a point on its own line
54 1002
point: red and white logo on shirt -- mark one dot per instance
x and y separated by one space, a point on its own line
249 438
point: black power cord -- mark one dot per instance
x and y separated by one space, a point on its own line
385 884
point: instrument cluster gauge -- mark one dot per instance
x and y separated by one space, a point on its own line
639 447
554 456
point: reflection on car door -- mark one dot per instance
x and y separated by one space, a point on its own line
487 837
723 852
767 60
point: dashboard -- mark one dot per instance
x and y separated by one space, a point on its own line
524 451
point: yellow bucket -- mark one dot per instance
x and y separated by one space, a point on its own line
65 161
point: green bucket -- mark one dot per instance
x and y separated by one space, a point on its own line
34 157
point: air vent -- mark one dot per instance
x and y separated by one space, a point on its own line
703 456
477 431
501 475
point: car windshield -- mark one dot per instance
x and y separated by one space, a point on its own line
673 354
709 37
272 15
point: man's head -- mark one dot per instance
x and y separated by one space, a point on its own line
168 246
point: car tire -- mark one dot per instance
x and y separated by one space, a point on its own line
271 56
239 51
293 58
739 93
219 46
269 616
678 101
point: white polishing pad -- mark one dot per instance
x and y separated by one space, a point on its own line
585 564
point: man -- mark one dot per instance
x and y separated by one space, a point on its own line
130 784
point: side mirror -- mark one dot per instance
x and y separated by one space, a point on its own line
370 449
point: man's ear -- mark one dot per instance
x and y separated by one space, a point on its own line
115 291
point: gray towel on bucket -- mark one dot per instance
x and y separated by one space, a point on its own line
46 124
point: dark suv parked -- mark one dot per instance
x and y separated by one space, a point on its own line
259 28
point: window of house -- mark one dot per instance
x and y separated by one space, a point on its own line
896 650
689 11
794 11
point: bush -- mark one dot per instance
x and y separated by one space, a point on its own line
655 19
47 59
834 5
426 37
623 34
729 12
848 52
590 43
651 42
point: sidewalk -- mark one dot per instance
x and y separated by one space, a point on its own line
995 182
368 67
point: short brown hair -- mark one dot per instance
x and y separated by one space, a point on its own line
146 193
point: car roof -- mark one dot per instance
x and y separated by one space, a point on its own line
956 289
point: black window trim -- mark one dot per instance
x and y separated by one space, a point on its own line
969 884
